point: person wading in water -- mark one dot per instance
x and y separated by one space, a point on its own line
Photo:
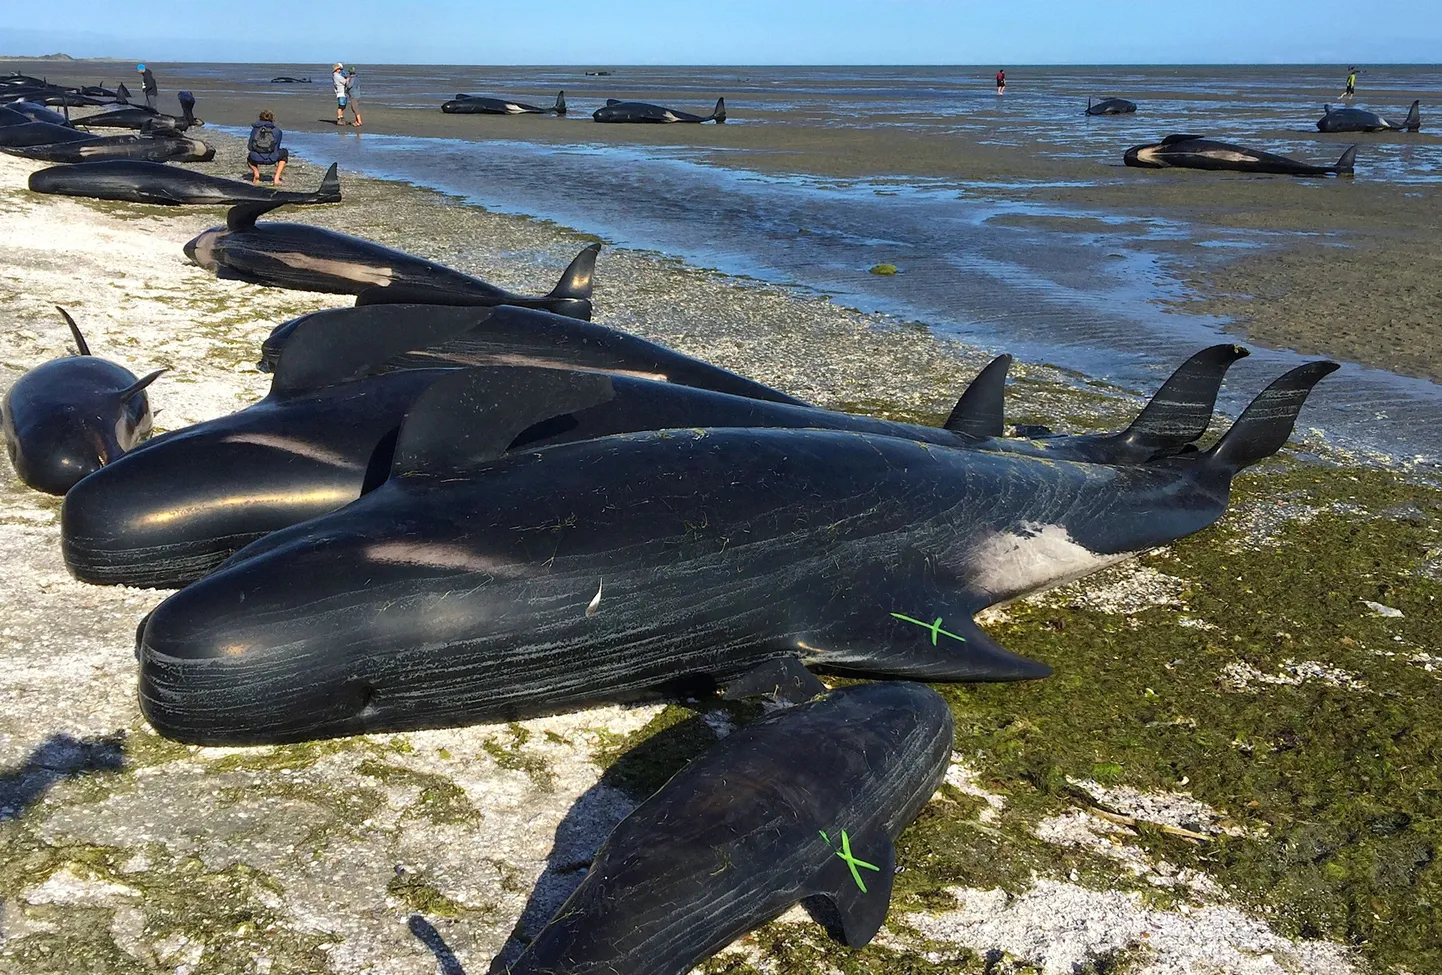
1001 81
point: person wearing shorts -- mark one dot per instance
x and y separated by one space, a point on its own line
342 84
264 148
1001 81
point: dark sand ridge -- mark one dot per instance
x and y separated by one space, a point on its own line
1353 271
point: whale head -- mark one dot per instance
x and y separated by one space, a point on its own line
1144 157
201 248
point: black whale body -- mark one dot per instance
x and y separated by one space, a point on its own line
70 416
619 111
143 117
805 803
486 105
306 258
1111 106
342 386
35 112
135 181
93 148
23 135
1360 120
1197 152
465 590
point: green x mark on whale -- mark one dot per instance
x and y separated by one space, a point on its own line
934 627
851 861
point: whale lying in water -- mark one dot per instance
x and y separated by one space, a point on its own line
805 803
485 105
306 258
134 181
616 110
1198 152
71 416
472 586
1111 106
1360 120
326 431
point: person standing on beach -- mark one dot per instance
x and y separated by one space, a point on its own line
1351 83
350 73
342 84
1001 81
147 85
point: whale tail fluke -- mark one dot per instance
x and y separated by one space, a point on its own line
1181 410
74 331
981 411
329 190
560 108
1345 165
1267 422
578 278
1413 121
719 114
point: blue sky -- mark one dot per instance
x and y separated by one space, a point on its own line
747 32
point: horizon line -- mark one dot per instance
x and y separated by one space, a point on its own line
60 58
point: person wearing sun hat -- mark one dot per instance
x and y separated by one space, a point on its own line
147 84
342 85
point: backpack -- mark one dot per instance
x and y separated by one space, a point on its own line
262 140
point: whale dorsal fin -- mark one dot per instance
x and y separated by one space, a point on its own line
1180 138
331 347
856 879
74 331
243 216
981 411
470 417
612 101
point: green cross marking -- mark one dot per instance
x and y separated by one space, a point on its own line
934 627
851 861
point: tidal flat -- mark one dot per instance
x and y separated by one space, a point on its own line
1233 768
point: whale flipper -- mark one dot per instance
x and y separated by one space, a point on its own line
857 880
783 678
129 392
336 350
981 411
443 432
243 216
1267 422
1181 410
74 331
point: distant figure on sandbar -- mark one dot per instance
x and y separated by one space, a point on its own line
147 84
344 82
1001 81
1351 83
264 148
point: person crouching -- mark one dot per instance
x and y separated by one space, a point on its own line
265 149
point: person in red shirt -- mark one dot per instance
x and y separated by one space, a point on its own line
1001 81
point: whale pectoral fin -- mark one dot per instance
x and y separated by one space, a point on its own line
782 678
472 416
950 647
225 273
857 880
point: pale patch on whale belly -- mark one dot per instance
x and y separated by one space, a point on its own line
1007 565
347 270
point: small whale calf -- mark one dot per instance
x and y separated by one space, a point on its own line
71 416
804 804
134 181
306 258
616 110
1199 152
1360 120
1111 106
486 105
479 585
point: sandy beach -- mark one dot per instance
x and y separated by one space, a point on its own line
1233 769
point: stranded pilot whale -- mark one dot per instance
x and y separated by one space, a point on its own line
134 181
161 147
323 434
1360 120
1111 106
804 803
306 258
1199 152
71 416
618 111
485 105
468 589
142 117
166 515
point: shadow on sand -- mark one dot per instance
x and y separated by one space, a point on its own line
58 757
